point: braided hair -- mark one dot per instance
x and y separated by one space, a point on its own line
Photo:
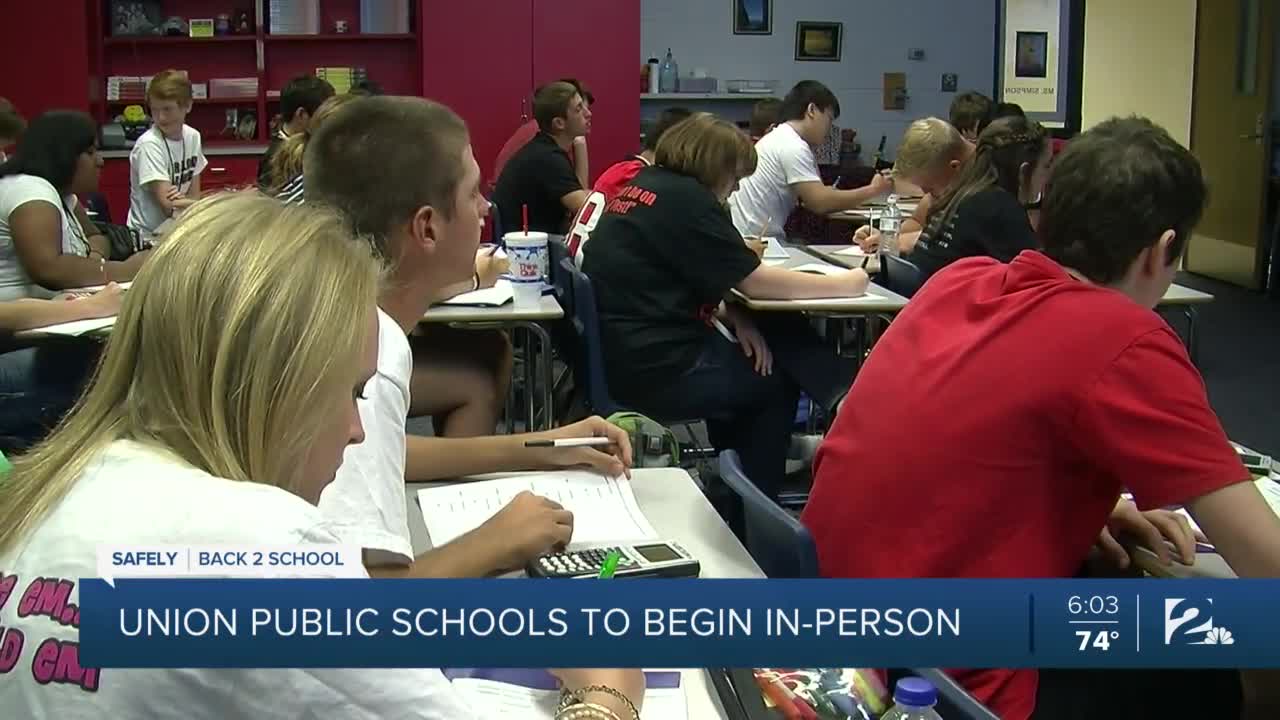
1003 147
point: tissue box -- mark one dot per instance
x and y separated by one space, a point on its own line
691 84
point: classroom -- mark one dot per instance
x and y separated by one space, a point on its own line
556 289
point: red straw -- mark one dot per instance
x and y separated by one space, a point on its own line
524 218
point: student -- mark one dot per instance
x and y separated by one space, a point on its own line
11 127
39 384
427 225
764 118
788 170
1008 109
299 101
166 162
983 210
540 175
47 241
621 173
929 156
971 112
284 177
1105 399
663 257
225 399
529 130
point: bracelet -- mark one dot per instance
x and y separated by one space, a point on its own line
570 698
475 281
587 711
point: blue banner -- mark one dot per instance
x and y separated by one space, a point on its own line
679 623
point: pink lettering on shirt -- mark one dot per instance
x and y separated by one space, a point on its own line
7 583
58 661
48 596
11 642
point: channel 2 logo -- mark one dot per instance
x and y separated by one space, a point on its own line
1189 623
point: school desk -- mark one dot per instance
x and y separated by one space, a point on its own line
678 510
832 254
529 322
1185 300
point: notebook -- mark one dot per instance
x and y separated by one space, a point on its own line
604 508
774 250
533 694
498 295
75 328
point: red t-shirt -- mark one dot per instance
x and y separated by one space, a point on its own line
618 176
991 430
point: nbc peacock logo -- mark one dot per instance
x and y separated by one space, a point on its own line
1187 622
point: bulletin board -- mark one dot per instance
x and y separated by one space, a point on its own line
1041 48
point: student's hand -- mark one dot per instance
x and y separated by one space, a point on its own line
752 342
175 193
867 238
528 527
756 245
104 303
880 184
1154 530
490 268
628 681
611 460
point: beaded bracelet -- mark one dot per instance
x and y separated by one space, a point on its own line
587 711
569 698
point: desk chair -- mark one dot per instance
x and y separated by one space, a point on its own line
495 224
900 275
780 545
954 702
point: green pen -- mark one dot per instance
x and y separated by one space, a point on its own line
610 564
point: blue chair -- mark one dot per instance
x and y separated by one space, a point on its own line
780 545
900 275
589 353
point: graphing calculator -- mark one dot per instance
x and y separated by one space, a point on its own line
650 559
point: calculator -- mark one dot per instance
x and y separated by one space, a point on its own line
650 559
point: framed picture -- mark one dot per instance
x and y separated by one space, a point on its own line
752 17
818 40
1032 54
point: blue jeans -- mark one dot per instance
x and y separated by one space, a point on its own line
38 385
746 411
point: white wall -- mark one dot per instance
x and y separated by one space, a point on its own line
958 36
1139 57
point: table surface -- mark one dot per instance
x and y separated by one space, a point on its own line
828 254
1183 295
677 509
548 309
877 300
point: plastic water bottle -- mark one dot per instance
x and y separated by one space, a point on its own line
913 699
668 75
890 222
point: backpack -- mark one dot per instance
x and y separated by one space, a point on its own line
652 443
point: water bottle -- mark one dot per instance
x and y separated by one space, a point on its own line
890 221
913 699
669 75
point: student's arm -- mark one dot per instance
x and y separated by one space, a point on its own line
36 228
823 199
30 313
581 167
193 190
1243 528
776 283
574 201
438 458
168 196
97 241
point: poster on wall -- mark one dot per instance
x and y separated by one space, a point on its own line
1032 36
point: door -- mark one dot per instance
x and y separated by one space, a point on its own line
476 60
1230 135
599 44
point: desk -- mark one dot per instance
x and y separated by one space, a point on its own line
528 320
677 509
1185 299
827 253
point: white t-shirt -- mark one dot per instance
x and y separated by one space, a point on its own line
365 503
16 191
155 157
783 159
137 494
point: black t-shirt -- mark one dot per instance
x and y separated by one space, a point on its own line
662 258
988 223
538 175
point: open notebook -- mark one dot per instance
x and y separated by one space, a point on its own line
75 328
533 695
604 509
498 295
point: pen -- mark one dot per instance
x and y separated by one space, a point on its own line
610 564
570 442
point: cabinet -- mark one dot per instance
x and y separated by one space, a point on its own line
488 76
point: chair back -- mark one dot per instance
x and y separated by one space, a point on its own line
588 366
780 545
900 275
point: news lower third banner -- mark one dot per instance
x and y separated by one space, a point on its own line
186 622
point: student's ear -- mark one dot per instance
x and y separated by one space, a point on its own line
1162 252
812 110
954 164
422 232
559 124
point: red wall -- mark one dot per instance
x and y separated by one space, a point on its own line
45 56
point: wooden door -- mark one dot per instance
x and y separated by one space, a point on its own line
1229 134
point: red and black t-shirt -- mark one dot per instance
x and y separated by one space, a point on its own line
663 252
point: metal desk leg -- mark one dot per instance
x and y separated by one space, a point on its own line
1190 312
546 369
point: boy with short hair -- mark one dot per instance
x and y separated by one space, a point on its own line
166 162
1104 399
527 131
971 113
299 100
541 175
787 169
426 223
764 117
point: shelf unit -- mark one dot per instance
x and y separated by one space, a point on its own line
392 60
